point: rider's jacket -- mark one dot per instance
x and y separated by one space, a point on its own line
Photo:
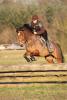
38 27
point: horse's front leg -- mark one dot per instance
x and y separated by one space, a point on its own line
27 57
32 57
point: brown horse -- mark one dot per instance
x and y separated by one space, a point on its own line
35 47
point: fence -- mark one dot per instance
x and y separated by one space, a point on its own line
30 74
13 46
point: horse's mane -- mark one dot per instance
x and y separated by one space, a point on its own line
25 26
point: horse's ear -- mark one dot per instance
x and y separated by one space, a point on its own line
17 29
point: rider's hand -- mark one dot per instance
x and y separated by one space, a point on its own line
35 32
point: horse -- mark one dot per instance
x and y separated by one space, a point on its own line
34 46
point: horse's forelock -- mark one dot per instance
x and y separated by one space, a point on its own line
19 29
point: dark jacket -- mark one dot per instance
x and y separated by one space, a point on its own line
39 28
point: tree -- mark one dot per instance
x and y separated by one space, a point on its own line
49 14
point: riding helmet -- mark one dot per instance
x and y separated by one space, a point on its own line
35 17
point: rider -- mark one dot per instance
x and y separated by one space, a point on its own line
39 29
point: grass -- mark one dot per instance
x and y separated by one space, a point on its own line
34 92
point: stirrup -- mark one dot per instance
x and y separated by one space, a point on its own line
50 50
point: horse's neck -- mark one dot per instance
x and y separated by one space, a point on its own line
28 35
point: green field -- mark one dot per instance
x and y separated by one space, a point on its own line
34 91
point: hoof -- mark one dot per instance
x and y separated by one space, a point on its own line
33 59
27 59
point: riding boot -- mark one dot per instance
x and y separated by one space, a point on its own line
48 46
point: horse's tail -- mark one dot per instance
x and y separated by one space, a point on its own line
61 53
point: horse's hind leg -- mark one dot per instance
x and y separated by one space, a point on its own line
59 60
49 59
58 54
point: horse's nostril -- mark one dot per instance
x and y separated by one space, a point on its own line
21 45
